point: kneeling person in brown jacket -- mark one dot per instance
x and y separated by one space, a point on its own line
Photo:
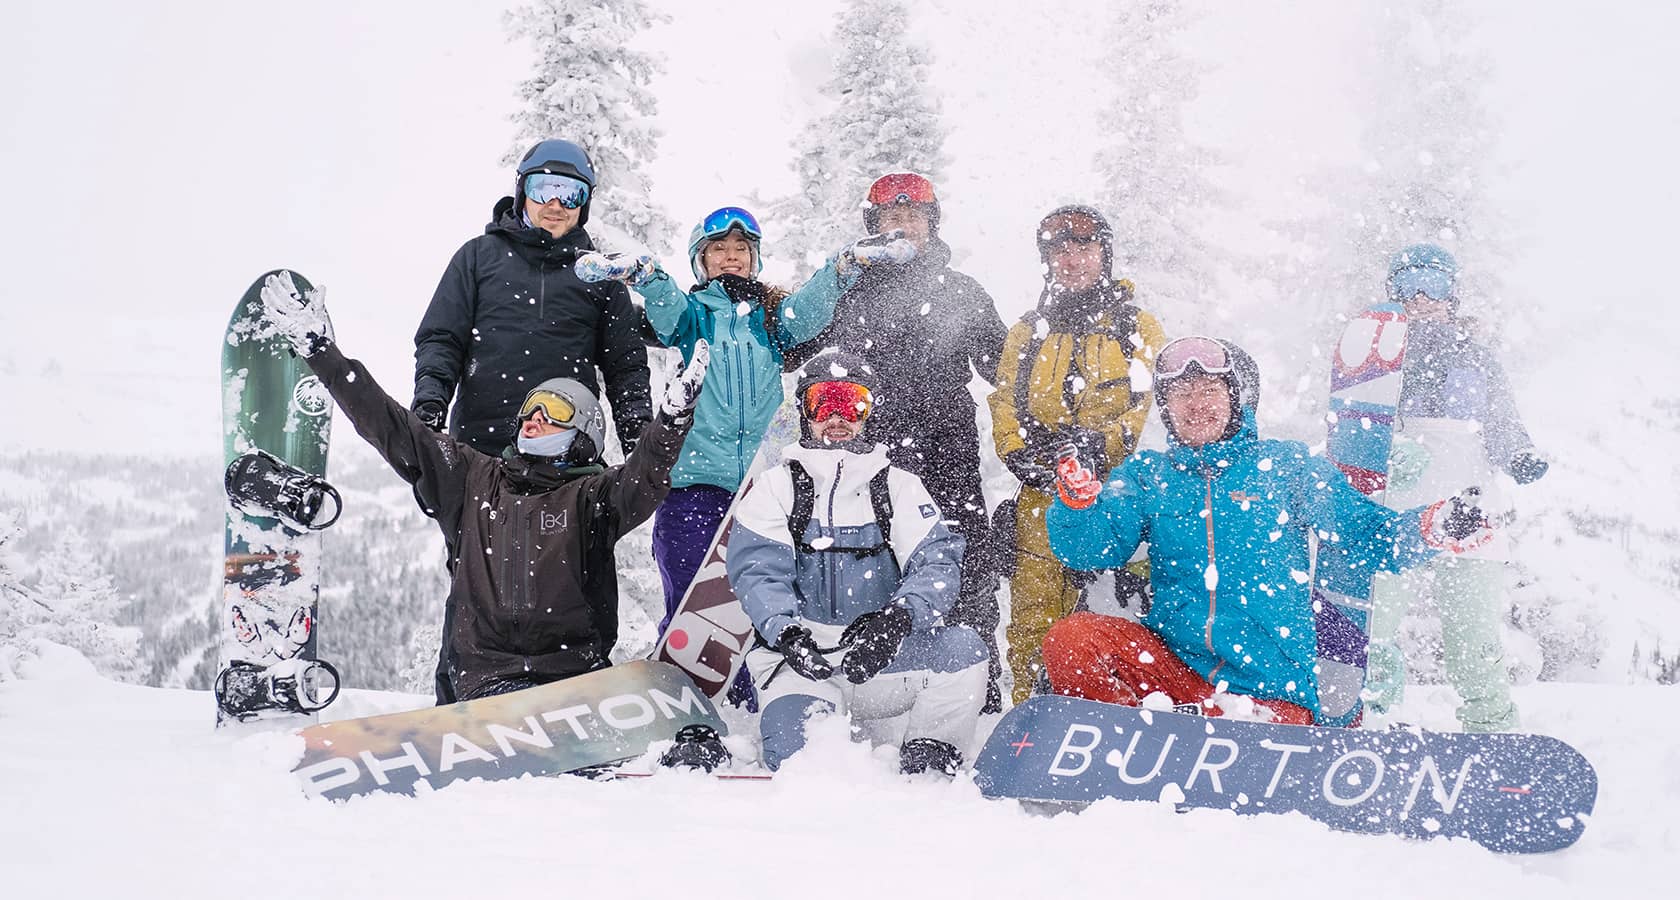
533 594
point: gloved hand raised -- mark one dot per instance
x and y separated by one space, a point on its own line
1458 522
1091 444
300 317
684 390
1527 467
888 247
1075 482
802 654
634 271
874 639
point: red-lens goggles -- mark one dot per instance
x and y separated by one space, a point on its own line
847 399
1206 353
902 187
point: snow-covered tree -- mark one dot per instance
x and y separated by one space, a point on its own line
64 604
1154 183
1427 150
883 119
591 87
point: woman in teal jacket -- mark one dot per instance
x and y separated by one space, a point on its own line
1229 518
749 325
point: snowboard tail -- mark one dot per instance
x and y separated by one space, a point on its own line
1512 793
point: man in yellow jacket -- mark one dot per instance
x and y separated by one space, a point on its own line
1066 375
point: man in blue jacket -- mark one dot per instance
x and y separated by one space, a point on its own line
1229 519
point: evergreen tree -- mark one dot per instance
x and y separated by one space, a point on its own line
1155 190
1427 148
883 119
66 604
591 87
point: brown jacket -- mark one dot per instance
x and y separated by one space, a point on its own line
533 592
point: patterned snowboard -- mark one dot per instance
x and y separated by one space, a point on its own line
1365 379
710 633
603 717
271 574
1514 793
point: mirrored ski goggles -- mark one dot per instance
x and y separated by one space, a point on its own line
729 218
557 409
1072 225
1413 280
901 187
541 187
1205 353
847 399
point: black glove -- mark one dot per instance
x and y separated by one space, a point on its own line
1091 444
432 412
1526 466
1464 517
874 639
1033 475
802 655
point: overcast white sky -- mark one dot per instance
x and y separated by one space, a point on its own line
154 158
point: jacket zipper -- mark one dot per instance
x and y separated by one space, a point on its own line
1213 591
833 577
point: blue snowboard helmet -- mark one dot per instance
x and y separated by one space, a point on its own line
556 157
1425 269
717 224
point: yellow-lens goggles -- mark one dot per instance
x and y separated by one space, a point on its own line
555 408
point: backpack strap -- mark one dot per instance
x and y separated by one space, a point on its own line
805 505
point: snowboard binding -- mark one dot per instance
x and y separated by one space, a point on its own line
264 485
301 686
697 747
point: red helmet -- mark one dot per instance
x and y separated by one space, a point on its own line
906 188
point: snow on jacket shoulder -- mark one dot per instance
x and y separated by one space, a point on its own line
1229 528
744 383
508 314
838 580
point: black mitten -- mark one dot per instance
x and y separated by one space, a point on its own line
874 639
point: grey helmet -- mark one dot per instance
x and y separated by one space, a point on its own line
586 417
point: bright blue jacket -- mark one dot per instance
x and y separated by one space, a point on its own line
744 384
1228 526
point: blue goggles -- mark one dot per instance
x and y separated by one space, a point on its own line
728 219
1413 280
541 187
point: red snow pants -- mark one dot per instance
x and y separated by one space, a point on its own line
1116 660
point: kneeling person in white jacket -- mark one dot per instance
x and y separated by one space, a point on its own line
847 570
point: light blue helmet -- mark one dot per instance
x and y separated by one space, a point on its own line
718 223
1425 269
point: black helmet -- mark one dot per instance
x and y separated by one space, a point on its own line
834 364
556 157
1078 221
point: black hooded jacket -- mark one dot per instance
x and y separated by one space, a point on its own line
920 326
508 314
533 592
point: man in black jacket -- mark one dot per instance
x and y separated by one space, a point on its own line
926 330
509 313
533 594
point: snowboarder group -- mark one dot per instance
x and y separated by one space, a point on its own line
869 563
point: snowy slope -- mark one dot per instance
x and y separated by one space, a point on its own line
115 790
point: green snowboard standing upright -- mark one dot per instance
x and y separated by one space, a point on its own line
276 418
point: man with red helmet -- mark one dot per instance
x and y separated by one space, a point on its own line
926 330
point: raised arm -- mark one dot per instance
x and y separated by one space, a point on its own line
623 361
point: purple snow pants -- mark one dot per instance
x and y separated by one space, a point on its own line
683 528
